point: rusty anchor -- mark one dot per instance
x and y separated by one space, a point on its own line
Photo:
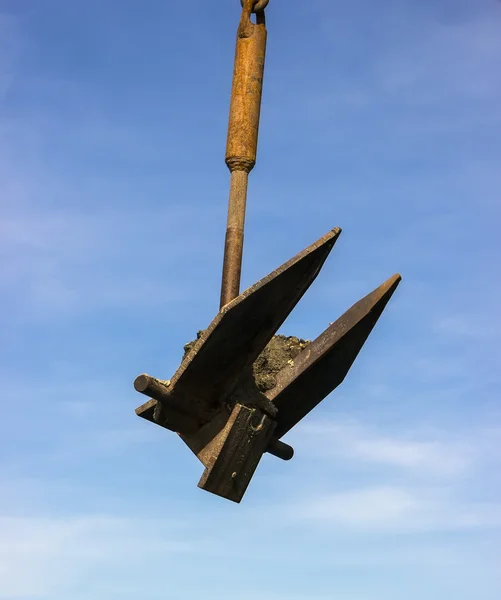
212 402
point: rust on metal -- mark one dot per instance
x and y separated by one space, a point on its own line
243 129
246 93
238 453
241 387
259 5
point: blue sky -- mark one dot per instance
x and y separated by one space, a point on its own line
381 119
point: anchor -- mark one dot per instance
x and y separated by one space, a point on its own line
216 402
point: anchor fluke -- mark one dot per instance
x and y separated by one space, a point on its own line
324 364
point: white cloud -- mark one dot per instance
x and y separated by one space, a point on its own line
40 557
424 480
435 455
397 509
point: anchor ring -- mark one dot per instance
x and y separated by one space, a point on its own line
259 5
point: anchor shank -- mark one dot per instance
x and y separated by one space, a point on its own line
234 243
241 146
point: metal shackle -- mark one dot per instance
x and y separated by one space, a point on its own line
259 5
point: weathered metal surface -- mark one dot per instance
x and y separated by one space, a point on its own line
243 130
280 449
213 388
146 410
236 453
216 401
246 93
258 5
175 417
204 436
232 342
234 240
324 364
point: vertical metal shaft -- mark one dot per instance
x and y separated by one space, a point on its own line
241 147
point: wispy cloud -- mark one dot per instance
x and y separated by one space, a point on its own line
352 441
398 509
41 557
425 479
